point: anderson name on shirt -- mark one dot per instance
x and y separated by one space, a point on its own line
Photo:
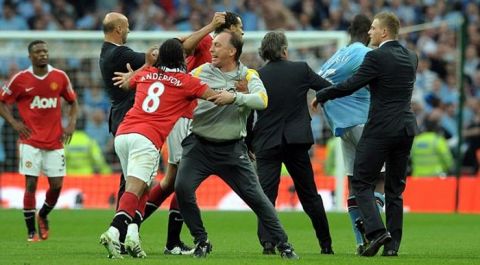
160 76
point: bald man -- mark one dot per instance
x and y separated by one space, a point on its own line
114 58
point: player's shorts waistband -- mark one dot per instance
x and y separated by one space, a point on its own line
216 143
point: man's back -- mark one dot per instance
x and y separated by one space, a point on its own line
114 58
287 115
391 92
353 109
390 73
161 98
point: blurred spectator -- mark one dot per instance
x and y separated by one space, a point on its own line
430 153
276 16
449 90
419 111
95 98
247 9
83 155
449 123
97 128
10 20
145 15
425 76
308 13
62 10
88 21
471 60
470 162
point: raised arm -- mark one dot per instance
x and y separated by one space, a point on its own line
190 42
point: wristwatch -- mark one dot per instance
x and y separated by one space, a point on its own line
234 96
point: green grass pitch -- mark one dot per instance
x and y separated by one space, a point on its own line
428 239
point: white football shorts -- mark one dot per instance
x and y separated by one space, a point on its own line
34 161
138 156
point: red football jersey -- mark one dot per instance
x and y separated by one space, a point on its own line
160 100
39 104
200 56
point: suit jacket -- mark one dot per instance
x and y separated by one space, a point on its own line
390 73
287 115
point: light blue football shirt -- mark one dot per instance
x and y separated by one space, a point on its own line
351 110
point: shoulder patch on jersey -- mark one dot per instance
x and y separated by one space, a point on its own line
6 90
250 74
198 71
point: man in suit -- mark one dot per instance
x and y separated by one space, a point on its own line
389 131
347 115
282 134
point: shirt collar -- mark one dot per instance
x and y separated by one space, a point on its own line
384 43
49 69
172 70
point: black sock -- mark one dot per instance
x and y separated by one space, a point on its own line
29 215
149 209
137 219
121 222
175 222
46 209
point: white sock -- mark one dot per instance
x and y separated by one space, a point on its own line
114 232
132 231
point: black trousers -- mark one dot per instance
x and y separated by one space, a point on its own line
296 159
230 162
370 156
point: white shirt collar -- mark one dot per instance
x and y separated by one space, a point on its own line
170 70
49 69
384 43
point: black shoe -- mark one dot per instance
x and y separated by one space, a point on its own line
268 248
202 249
178 249
376 243
286 251
327 251
361 249
389 253
361 228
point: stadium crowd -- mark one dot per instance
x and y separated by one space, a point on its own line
436 89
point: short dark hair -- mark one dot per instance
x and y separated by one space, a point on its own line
359 27
231 19
272 46
237 43
170 55
33 43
